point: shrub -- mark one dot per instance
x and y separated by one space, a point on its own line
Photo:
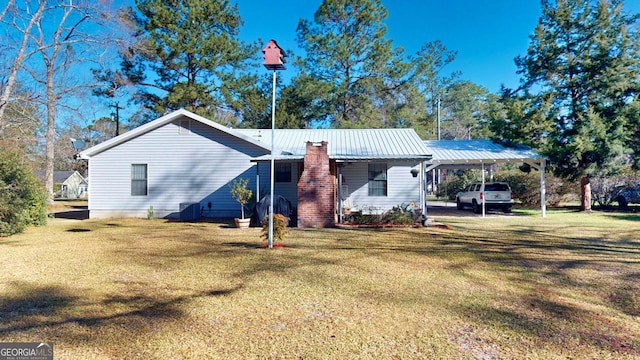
397 216
279 227
605 189
455 182
525 187
241 193
23 200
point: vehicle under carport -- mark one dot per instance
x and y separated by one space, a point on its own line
468 154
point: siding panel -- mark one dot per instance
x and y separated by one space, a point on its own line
192 167
402 187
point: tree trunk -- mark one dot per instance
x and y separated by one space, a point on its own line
51 133
585 190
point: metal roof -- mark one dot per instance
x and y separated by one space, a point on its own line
475 152
344 144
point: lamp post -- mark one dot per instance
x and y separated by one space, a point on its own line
273 60
438 116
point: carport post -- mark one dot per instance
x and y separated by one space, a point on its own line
424 171
423 193
543 184
482 193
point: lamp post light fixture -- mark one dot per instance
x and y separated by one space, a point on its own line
273 60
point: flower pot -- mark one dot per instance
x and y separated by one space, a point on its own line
242 223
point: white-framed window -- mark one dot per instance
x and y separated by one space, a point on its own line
139 180
377 179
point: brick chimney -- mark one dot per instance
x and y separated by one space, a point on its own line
316 189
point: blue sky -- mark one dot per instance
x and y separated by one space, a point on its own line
488 34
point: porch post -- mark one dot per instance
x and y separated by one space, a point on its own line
340 216
258 183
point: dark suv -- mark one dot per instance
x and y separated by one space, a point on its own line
627 195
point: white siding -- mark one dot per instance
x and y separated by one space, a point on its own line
402 187
189 167
288 190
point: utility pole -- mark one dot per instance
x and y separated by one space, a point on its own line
438 116
117 106
436 174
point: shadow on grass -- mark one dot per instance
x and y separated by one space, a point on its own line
244 245
32 301
35 307
81 214
552 321
78 230
629 217
225 223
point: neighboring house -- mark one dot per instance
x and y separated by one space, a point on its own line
182 158
67 184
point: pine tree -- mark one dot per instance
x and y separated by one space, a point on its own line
188 55
349 66
581 74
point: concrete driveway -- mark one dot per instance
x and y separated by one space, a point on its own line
448 208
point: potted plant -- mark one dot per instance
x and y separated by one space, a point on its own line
242 195
414 172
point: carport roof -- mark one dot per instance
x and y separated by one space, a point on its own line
467 153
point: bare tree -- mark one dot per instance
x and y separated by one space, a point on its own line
22 53
65 38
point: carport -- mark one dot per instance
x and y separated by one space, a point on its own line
466 154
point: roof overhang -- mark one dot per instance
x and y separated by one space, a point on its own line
343 159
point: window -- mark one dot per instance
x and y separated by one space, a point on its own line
377 179
283 173
496 187
184 126
139 179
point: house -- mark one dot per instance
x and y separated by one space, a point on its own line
181 159
67 184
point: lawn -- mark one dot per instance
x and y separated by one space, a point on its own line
567 286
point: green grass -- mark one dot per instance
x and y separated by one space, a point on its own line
566 286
